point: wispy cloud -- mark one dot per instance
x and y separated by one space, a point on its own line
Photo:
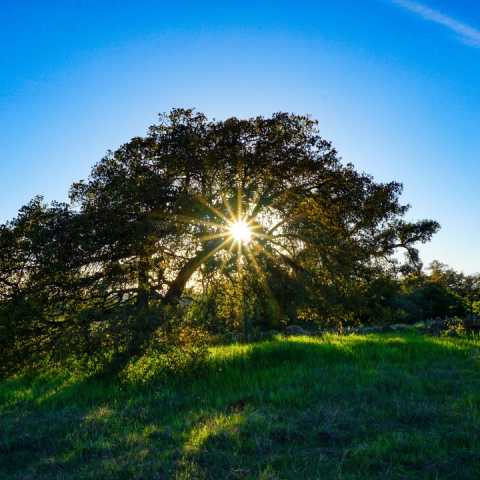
466 33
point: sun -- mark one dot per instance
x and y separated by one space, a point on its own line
240 231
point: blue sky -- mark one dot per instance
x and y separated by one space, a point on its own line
395 85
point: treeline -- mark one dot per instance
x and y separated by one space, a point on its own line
143 254
437 292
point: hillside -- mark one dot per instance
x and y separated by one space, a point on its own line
393 406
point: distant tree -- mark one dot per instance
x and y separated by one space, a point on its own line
466 287
154 217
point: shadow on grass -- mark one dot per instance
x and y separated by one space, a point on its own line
356 406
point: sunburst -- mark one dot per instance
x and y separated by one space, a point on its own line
240 231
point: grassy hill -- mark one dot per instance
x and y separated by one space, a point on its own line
394 406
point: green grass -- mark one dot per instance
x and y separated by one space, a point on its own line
356 407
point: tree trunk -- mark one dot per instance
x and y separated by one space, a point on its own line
143 291
177 286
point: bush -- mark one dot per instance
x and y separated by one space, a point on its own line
176 350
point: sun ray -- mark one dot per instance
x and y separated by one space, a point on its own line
226 258
239 192
265 251
215 210
226 202
240 231
198 221
214 251
270 254
273 240
212 236
262 276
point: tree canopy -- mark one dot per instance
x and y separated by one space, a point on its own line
150 231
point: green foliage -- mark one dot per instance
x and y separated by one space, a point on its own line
424 299
356 407
181 350
443 293
102 273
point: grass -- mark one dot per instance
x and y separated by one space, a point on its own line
395 406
